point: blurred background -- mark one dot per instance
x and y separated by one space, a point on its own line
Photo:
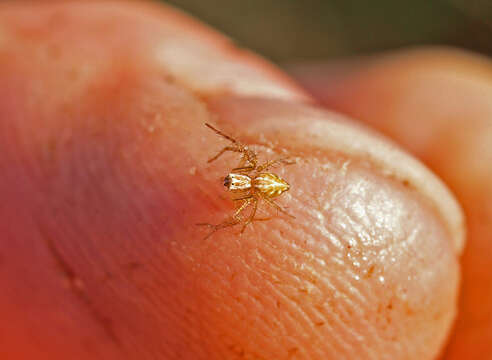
300 30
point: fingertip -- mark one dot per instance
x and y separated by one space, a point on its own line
436 103
342 168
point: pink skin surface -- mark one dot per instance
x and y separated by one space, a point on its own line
438 104
104 174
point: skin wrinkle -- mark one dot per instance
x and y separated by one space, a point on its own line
276 289
76 285
287 301
23 268
184 61
348 332
161 301
340 287
309 319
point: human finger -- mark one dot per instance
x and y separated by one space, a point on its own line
104 151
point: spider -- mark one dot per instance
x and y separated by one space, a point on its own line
249 183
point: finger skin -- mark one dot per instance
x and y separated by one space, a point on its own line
104 174
438 104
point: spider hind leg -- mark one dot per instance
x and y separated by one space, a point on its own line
234 220
277 206
251 216
217 227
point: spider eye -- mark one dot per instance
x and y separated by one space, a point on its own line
227 181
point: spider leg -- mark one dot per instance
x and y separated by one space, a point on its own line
234 220
241 163
222 225
248 160
267 165
271 163
276 206
248 154
225 149
243 169
251 216
261 219
220 133
245 197
243 206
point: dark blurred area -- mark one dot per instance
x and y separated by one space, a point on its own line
293 30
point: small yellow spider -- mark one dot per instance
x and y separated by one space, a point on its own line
249 183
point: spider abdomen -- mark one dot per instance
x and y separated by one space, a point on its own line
270 184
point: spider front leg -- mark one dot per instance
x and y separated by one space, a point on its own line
225 149
243 169
248 155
